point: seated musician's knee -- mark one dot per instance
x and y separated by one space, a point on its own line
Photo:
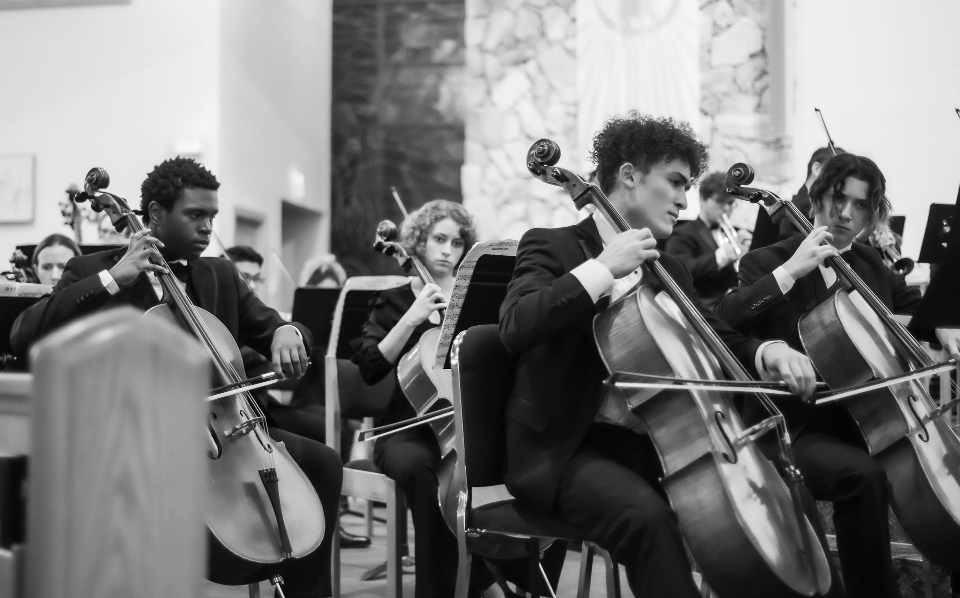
864 477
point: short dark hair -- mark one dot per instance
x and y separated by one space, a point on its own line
715 185
54 240
645 142
245 253
834 176
167 180
418 224
821 155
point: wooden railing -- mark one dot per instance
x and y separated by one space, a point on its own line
113 422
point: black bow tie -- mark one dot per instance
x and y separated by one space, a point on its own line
181 270
850 257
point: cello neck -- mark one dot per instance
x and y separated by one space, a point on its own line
592 194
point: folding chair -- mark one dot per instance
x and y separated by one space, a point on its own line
482 379
348 396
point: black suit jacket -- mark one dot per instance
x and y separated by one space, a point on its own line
214 284
693 244
758 307
546 319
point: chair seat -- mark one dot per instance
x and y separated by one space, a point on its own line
511 517
362 465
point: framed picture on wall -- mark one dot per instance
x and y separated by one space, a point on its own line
16 188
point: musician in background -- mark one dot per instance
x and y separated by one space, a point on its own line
603 479
323 272
438 233
250 264
766 231
51 256
778 285
704 248
179 202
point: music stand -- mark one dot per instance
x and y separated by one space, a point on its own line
314 309
897 223
84 249
937 233
480 288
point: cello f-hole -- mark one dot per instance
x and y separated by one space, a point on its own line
215 449
719 417
925 434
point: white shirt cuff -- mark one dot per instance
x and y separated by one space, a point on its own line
718 255
109 283
759 358
784 280
295 329
595 278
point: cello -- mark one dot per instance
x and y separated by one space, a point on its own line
874 364
425 386
263 510
742 523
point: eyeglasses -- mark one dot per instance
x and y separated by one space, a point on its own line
252 279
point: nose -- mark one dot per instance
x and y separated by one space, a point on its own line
206 225
681 199
846 211
56 274
447 248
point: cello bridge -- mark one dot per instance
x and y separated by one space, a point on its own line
244 427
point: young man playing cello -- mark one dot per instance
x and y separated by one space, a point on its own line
598 477
778 285
179 202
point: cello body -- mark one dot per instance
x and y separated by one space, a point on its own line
920 453
734 509
244 543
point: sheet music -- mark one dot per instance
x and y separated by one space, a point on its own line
506 247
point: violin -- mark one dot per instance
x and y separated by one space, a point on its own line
852 338
427 388
263 510
742 523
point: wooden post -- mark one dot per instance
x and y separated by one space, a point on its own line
118 467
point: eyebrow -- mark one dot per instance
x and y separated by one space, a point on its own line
686 181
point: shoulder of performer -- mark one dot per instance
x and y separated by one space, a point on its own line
868 254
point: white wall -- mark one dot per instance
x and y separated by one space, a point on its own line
275 118
886 75
114 86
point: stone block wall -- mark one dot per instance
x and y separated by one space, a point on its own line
520 87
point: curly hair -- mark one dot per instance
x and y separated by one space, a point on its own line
54 240
167 180
834 177
418 224
244 253
645 142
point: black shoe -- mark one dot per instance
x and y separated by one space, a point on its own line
348 540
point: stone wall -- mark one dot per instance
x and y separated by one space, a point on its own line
735 88
520 87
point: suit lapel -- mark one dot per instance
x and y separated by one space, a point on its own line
589 238
204 284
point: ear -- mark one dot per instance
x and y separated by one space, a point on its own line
156 212
628 175
816 168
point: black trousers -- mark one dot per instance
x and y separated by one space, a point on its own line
609 490
836 469
412 458
309 577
